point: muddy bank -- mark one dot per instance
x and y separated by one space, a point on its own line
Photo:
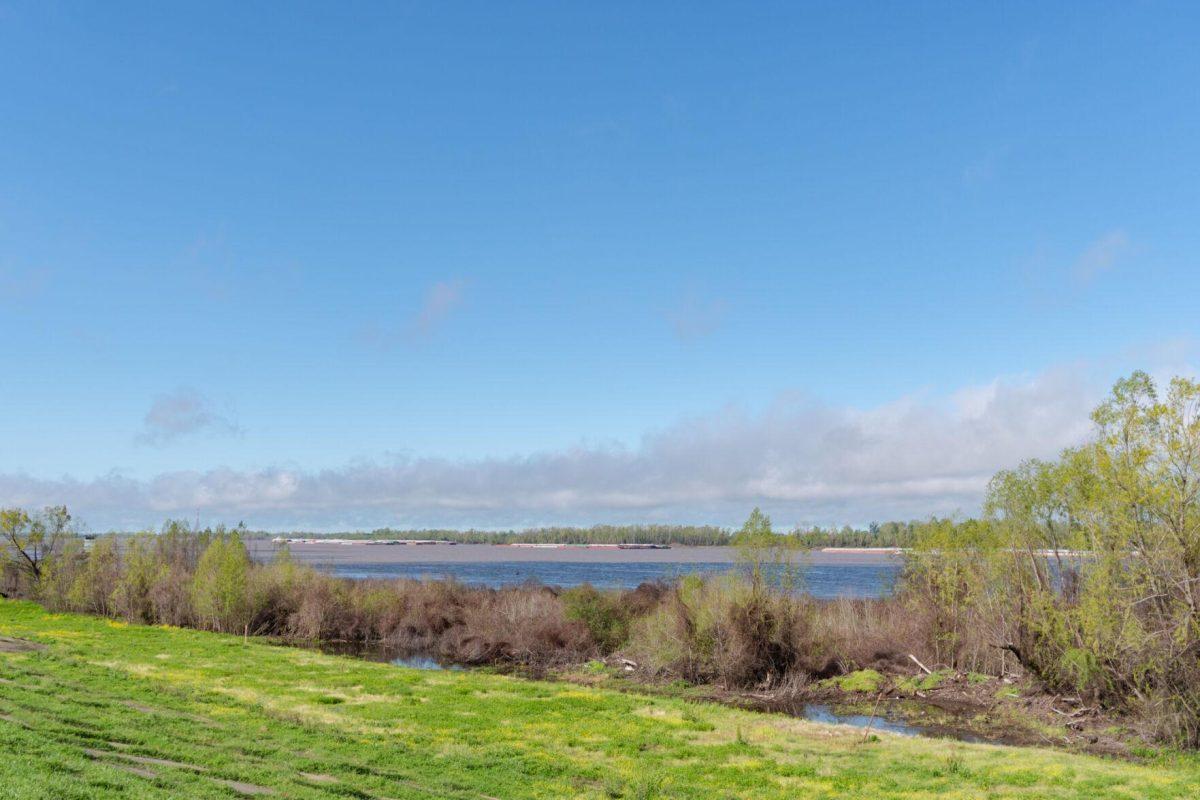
962 707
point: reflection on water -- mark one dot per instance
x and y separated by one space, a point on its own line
824 713
817 712
420 662
824 581
382 653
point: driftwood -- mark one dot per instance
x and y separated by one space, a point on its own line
916 661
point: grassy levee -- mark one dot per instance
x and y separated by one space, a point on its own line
111 710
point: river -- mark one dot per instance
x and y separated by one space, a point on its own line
825 574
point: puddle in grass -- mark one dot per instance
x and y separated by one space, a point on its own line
387 655
419 662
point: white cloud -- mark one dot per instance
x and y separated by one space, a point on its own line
1101 255
182 412
983 169
696 317
440 300
800 460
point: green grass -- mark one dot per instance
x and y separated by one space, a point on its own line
864 680
109 710
924 683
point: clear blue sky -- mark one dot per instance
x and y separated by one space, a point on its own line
302 238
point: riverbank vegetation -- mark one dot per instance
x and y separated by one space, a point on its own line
93 707
1086 570
741 630
739 638
1081 582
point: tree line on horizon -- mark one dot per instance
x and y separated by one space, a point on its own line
887 534
890 534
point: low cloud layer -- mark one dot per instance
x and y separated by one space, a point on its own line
800 460
182 413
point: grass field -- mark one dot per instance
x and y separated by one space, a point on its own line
110 710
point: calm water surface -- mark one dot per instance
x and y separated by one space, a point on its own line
822 580
825 574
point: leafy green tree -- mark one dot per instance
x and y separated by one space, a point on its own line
766 555
1096 565
142 569
947 579
220 585
92 587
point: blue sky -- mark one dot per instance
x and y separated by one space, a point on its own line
482 264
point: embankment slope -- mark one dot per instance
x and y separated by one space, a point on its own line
106 709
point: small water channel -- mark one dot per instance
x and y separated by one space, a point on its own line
821 712
814 712
386 655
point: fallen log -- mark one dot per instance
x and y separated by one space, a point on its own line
916 661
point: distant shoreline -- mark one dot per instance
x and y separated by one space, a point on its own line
280 540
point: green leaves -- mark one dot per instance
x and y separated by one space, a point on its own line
219 585
1089 565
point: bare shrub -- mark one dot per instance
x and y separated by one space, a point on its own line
319 612
171 597
428 609
733 630
645 598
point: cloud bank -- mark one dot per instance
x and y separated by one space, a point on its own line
800 460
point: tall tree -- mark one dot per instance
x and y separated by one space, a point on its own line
31 539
